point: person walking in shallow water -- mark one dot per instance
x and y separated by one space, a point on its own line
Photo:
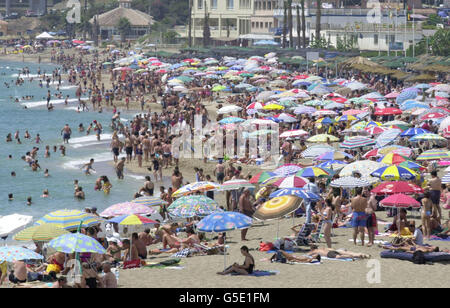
66 132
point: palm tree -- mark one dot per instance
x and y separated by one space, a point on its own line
290 24
206 30
124 27
303 23
298 27
318 15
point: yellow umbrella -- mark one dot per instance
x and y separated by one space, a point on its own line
322 138
273 107
41 233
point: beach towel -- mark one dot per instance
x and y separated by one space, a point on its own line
182 254
333 259
312 263
165 263
437 238
258 273
275 251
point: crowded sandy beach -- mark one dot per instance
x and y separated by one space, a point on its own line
252 173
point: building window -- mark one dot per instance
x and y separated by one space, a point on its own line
253 24
214 4
266 25
230 4
269 5
264 5
375 39
200 4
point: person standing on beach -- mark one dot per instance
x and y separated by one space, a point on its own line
246 208
66 132
359 218
435 186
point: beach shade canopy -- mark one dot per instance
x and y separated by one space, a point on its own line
294 133
356 142
44 36
17 253
287 169
317 150
333 155
277 207
395 173
312 172
69 220
428 137
414 131
76 242
235 185
322 138
195 187
349 182
262 176
41 233
390 188
400 201
127 208
288 182
11 223
132 220
387 137
434 155
149 201
196 205
364 167
225 221
297 192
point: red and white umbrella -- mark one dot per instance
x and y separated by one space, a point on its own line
433 115
339 99
294 133
256 105
396 187
291 181
375 130
392 95
352 112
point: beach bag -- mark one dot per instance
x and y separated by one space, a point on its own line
418 257
265 246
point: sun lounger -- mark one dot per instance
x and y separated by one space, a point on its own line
209 250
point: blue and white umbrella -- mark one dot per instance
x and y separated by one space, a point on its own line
406 95
410 104
446 178
387 137
414 131
298 192
332 164
316 150
17 253
422 86
231 120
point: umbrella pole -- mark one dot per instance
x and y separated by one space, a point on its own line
225 253
278 227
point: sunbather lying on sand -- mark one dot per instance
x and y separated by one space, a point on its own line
176 244
336 254
278 257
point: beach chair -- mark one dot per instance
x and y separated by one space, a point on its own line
315 236
303 236
209 250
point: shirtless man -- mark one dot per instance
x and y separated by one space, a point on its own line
66 132
246 208
115 147
140 246
166 148
129 148
145 237
119 168
109 280
134 255
146 145
219 171
434 185
19 273
177 179
359 219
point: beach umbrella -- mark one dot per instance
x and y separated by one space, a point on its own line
393 159
149 201
387 111
434 155
294 133
69 220
287 169
446 178
390 188
392 95
231 120
12 223
349 182
76 242
132 220
414 131
312 172
334 105
277 207
256 105
289 182
332 164
322 138
261 132
364 167
218 88
432 115
411 165
400 201
195 187
325 120
17 253
395 173
345 118
262 176
406 95
356 142
297 192
286 118
41 233
333 155
324 112
223 222
317 150
235 185
127 208
375 130
191 206
387 137
273 107
428 137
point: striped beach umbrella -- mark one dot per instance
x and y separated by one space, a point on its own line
375 130
333 155
195 187
149 201
400 201
76 242
287 169
316 150
411 165
356 142
277 207
332 164
349 182
434 155
446 178
261 177
235 185
132 220
395 173
69 220
393 159
41 233
427 137
196 205
290 182
387 137
414 131
312 172
297 192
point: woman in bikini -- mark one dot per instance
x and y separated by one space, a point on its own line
245 269
427 206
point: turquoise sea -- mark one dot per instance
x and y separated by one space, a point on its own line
63 170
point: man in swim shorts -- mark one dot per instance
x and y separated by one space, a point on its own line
66 132
359 218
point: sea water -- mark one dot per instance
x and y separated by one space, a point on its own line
63 170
